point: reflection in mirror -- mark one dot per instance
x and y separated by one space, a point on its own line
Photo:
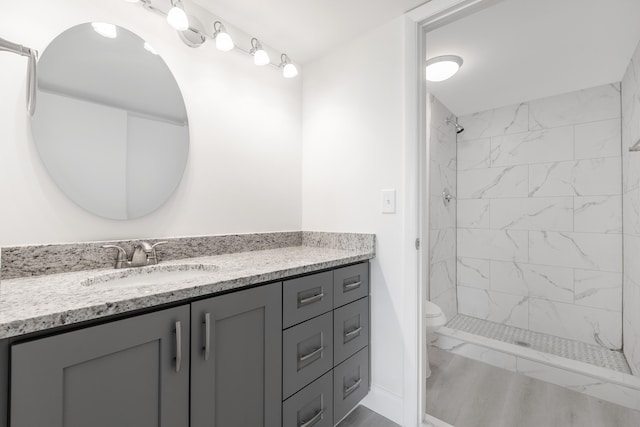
111 126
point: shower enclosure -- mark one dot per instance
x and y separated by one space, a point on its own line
534 233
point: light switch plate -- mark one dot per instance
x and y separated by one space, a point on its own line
389 201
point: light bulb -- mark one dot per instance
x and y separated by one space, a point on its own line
224 42
105 30
289 71
261 57
442 67
177 18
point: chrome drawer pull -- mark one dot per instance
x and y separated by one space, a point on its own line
317 417
313 353
178 346
309 300
355 331
349 390
352 286
207 335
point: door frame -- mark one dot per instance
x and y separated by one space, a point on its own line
427 17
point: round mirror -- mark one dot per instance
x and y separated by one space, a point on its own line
110 124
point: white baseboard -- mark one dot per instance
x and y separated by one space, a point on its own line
431 421
385 403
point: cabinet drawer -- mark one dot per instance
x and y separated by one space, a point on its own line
307 352
311 406
350 284
350 383
306 297
350 329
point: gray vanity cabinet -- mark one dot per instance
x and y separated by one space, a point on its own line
127 373
236 359
326 357
225 361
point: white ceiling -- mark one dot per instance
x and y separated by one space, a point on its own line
307 29
519 50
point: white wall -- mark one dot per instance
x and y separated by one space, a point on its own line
540 216
441 138
244 167
631 212
354 145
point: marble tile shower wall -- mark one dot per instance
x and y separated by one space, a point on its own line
631 202
539 230
442 218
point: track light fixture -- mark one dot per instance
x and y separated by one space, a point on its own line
260 56
193 36
224 42
177 17
288 69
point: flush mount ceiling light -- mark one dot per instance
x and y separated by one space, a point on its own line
260 56
105 30
177 17
224 42
443 67
288 69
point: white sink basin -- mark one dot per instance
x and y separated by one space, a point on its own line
150 275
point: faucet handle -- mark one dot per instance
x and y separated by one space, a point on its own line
145 246
158 244
152 256
121 260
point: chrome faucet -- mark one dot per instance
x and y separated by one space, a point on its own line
143 254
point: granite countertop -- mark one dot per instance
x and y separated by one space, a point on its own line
31 304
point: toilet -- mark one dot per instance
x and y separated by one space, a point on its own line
434 320
434 317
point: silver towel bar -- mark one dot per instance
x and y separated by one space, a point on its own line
32 70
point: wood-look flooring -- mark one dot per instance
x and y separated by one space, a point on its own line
468 393
365 417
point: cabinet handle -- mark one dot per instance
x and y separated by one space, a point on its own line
352 332
352 286
313 353
349 390
309 300
207 335
178 346
312 421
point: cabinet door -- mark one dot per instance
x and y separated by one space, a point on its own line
236 351
4 382
128 373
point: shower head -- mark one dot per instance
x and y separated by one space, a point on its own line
459 129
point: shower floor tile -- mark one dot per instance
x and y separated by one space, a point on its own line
587 353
